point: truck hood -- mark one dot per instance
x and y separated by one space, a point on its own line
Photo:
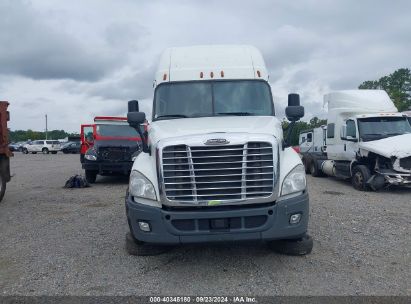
398 146
224 124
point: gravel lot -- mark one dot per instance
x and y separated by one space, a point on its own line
57 241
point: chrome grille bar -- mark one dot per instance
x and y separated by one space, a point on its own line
199 174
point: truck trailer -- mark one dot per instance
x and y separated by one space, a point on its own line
367 141
214 165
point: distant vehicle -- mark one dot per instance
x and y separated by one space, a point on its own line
367 141
71 148
42 146
108 147
13 147
17 146
5 152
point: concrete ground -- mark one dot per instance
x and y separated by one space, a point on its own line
56 241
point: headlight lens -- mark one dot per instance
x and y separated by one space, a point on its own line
140 186
91 154
294 181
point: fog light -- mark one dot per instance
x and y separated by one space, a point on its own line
295 218
144 226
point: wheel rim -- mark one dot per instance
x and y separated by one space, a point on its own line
359 179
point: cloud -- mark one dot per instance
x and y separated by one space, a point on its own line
33 48
75 59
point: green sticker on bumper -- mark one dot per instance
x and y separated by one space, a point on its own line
213 203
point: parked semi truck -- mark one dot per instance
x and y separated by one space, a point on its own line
5 152
367 140
214 166
108 147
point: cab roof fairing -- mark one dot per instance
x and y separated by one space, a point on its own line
213 62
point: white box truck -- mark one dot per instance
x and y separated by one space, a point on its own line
368 141
214 166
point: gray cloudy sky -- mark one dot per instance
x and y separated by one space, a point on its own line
80 58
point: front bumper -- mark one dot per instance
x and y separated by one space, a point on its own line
107 167
242 223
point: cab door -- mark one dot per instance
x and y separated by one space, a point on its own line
87 135
349 139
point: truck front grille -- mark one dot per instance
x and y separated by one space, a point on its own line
405 163
114 153
208 173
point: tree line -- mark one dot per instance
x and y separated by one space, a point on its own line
24 135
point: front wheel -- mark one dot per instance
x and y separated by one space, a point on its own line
3 186
25 151
45 151
91 176
135 247
300 246
360 177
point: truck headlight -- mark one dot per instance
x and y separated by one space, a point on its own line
140 186
294 181
91 154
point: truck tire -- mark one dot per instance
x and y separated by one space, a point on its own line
91 176
3 186
360 175
45 151
138 248
25 151
300 246
306 162
314 169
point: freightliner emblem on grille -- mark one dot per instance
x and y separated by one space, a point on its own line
216 141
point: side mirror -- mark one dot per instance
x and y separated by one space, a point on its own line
294 111
135 119
133 106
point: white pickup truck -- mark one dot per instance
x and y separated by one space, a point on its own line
367 141
214 166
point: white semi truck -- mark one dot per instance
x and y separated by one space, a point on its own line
367 140
214 166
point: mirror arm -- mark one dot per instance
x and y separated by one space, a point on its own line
290 128
144 137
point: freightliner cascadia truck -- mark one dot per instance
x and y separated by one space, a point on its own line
366 141
214 165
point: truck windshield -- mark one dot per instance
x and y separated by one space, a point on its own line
212 98
116 131
374 128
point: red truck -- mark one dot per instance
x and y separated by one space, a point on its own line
108 147
5 152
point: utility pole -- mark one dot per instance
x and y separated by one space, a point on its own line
46 126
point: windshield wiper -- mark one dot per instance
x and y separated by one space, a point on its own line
172 116
237 113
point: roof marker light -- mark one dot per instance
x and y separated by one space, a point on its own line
211 74
201 74
258 73
222 74
165 77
